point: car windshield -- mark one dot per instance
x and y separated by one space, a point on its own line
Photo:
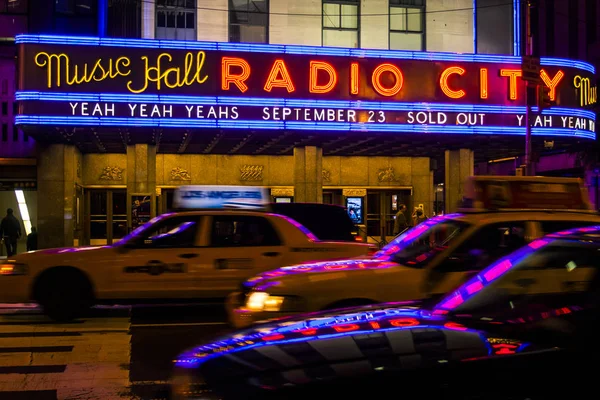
520 275
141 229
419 245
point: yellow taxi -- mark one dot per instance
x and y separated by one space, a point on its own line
226 236
498 216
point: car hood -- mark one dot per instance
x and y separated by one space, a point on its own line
268 278
64 251
340 339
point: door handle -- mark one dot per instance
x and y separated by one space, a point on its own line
271 254
188 255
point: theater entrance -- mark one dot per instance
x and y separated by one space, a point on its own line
382 207
106 215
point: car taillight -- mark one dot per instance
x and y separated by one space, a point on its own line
358 238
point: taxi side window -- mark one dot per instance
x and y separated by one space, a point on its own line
177 232
243 231
557 226
563 258
485 246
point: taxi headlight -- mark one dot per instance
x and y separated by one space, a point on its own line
11 268
262 301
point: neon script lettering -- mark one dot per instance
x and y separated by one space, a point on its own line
588 94
159 72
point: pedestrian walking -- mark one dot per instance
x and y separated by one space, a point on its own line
10 231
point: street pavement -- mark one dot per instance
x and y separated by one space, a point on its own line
114 353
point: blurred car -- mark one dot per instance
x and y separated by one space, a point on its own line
431 258
181 255
325 221
522 327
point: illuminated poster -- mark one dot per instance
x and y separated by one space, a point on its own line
354 207
140 210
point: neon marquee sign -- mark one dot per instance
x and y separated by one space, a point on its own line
115 82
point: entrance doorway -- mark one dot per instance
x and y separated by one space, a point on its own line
382 206
164 202
107 213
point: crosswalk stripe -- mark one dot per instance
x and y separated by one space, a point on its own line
36 349
88 358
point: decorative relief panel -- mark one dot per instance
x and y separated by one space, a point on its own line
326 176
251 173
354 192
111 174
386 175
180 174
282 192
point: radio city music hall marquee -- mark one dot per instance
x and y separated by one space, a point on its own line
113 82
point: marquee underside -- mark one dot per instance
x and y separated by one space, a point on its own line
280 142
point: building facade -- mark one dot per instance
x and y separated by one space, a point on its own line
83 180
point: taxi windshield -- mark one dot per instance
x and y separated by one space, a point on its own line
419 245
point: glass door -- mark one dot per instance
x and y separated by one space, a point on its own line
382 207
107 210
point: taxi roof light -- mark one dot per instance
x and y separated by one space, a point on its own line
202 197
525 193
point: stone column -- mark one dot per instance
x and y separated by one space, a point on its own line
308 174
141 174
57 173
459 166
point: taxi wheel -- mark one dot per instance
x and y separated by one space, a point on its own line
64 295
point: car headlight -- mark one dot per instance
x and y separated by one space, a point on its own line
12 268
261 301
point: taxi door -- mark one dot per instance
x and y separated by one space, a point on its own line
483 246
160 263
236 248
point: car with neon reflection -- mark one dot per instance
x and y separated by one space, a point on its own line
534 310
184 255
429 259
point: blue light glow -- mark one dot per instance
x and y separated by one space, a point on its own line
293 49
475 26
517 27
311 126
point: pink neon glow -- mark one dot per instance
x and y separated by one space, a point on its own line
588 229
497 270
536 244
563 233
302 228
474 287
453 302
